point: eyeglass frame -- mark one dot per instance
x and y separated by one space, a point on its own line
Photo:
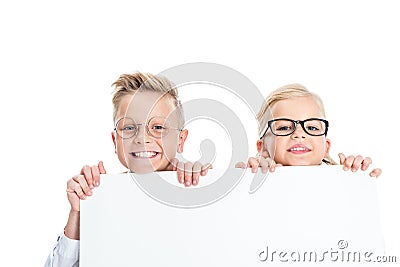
296 122
146 126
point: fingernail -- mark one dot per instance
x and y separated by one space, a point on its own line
91 186
353 169
345 168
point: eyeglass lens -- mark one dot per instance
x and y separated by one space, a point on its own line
287 127
156 127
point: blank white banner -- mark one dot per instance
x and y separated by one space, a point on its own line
300 216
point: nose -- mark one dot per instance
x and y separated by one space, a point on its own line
142 136
298 132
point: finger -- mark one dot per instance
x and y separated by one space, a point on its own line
357 163
342 158
264 165
196 172
87 173
101 168
375 173
180 168
253 163
96 176
348 162
272 165
188 173
174 164
205 168
240 165
265 154
365 163
81 180
204 172
170 167
73 187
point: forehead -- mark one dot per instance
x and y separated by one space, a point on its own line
142 106
297 108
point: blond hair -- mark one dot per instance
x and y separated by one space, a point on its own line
128 84
283 93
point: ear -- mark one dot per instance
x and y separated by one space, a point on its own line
327 147
114 141
182 138
260 144
260 148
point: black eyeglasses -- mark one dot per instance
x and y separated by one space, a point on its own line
157 127
284 127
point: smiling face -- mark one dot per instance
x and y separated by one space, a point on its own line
299 148
144 153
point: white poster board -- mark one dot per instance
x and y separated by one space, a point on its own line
298 216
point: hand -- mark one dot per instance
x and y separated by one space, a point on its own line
188 172
259 161
80 186
358 162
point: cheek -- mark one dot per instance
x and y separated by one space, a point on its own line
119 145
169 145
321 145
122 147
121 152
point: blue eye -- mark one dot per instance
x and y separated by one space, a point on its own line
129 128
158 128
284 128
312 128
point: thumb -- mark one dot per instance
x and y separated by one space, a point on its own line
240 164
342 158
101 168
172 165
265 154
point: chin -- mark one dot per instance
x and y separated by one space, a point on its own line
298 163
142 168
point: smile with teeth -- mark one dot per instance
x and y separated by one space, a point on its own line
145 154
299 149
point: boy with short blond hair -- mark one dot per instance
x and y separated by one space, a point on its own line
149 121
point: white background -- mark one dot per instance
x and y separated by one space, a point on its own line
58 61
